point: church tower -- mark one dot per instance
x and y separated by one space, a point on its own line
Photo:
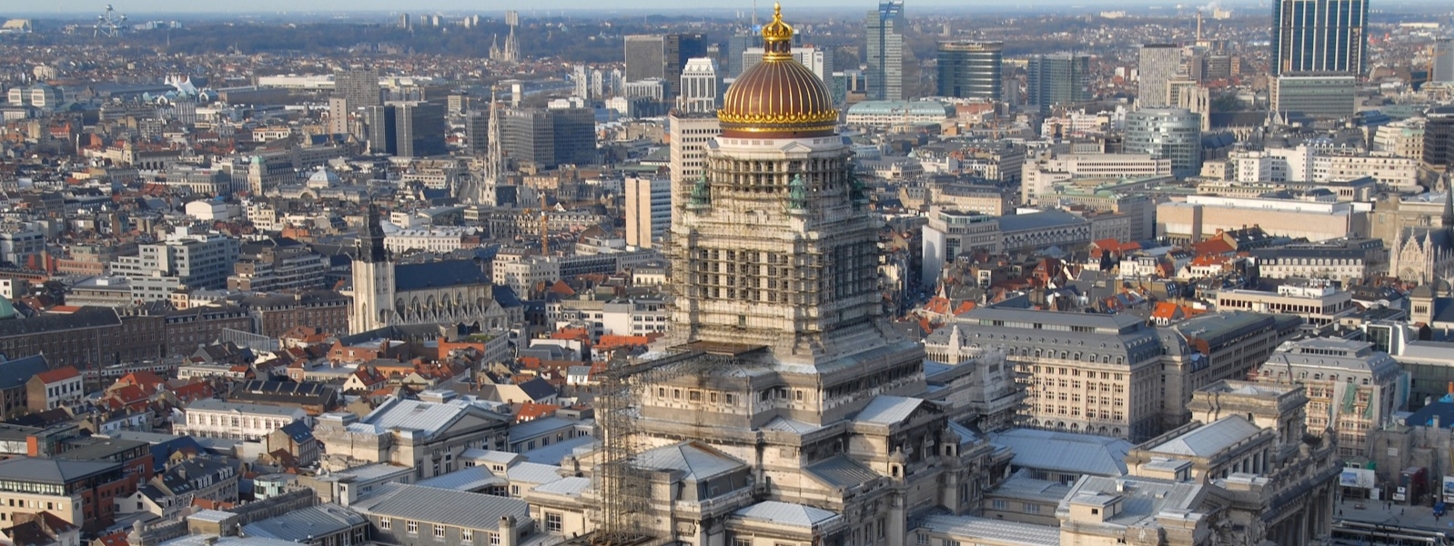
373 278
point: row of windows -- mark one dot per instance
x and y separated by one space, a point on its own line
466 536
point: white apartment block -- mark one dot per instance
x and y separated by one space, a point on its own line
1304 164
1038 177
1403 138
437 239
217 419
182 260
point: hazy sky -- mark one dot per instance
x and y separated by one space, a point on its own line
494 6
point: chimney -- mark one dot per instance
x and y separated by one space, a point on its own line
507 531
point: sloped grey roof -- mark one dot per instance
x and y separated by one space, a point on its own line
1209 439
439 274
303 525
696 462
840 471
786 513
533 473
434 505
572 486
888 410
465 479
998 531
1065 452
31 469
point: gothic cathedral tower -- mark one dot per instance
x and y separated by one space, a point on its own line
373 279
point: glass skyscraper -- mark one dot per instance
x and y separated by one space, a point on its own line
1061 78
884 51
1319 36
971 70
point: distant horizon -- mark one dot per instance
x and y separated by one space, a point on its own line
151 8
142 10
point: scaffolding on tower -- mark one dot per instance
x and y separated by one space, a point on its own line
622 487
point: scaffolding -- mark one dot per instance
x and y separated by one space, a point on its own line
623 488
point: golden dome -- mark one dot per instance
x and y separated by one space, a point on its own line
778 97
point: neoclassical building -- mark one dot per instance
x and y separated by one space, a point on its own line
444 292
782 407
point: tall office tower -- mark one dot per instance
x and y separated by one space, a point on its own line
1158 64
1167 133
662 56
1442 64
404 20
476 130
382 131
420 129
648 210
971 70
338 116
701 86
1010 87
358 86
549 138
1439 139
1319 36
1061 78
884 50
690 134
736 45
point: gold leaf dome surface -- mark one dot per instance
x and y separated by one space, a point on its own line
778 97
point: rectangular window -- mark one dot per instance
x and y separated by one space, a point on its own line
466 535
411 527
553 522
438 531
494 539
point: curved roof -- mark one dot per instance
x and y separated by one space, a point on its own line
778 97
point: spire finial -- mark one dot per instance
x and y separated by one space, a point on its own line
777 37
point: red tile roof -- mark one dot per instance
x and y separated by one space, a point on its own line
58 374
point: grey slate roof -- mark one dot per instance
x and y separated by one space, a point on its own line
437 275
465 479
840 471
697 463
303 525
1039 220
888 410
14 373
443 506
1065 452
85 317
30 469
1209 439
997 531
786 513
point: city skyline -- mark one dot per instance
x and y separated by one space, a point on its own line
879 274
538 9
